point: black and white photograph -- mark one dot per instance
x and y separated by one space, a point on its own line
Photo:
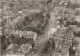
39 27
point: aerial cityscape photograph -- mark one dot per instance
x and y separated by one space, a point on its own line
39 27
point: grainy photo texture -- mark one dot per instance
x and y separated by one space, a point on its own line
39 27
